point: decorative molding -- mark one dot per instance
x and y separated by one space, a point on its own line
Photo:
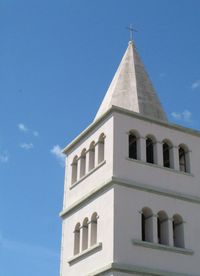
156 190
159 167
120 267
90 128
132 114
130 184
163 247
82 201
86 175
85 253
154 216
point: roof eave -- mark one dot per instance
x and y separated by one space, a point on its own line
117 109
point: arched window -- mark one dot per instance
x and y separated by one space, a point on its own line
133 151
149 150
166 154
101 148
74 169
92 156
77 239
162 228
178 231
85 234
183 159
83 163
93 238
147 224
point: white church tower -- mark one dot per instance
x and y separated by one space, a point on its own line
132 187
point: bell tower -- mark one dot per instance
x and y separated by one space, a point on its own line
132 190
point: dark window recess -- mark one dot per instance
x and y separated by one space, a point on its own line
143 228
159 230
166 155
149 151
132 146
173 227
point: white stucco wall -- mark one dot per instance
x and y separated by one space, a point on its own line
119 205
97 178
128 203
104 207
151 174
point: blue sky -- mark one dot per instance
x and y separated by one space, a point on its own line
57 59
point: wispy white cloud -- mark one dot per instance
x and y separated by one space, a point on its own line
35 133
57 152
26 146
22 127
195 84
25 129
185 116
4 157
176 115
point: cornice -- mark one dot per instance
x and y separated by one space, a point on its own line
130 184
126 268
163 247
116 109
85 253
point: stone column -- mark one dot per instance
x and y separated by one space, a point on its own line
155 229
188 161
141 149
79 168
174 160
96 159
186 235
138 226
87 161
84 237
77 245
159 153
81 239
89 233
170 230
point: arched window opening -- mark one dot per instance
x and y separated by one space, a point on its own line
92 156
101 148
166 155
149 150
133 146
147 224
74 169
93 239
83 163
85 234
178 231
77 239
183 159
143 227
163 228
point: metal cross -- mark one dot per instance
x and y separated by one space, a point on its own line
131 29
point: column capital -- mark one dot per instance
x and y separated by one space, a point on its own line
175 146
155 216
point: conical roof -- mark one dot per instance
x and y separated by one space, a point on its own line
132 89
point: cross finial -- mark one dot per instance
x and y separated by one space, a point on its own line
131 30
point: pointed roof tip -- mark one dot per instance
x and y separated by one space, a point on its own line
132 89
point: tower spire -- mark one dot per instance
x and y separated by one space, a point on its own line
131 88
